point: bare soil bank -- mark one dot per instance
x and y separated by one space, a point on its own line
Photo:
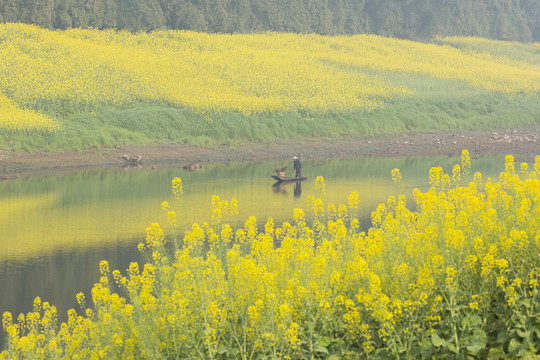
522 143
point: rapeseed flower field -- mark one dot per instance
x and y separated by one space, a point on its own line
457 277
15 118
47 75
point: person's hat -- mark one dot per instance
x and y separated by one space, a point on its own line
295 157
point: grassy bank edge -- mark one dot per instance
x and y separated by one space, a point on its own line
144 124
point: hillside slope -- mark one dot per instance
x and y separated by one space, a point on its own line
78 88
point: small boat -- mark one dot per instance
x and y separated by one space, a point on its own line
288 179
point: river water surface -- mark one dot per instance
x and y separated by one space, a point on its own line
54 230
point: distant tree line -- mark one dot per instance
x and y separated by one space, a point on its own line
408 19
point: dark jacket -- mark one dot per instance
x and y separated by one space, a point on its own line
297 164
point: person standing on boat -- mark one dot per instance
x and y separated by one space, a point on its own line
297 166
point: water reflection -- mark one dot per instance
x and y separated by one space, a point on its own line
58 277
54 230
280 187
297 189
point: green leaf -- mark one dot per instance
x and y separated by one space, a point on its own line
384 354
502 336
472 321
514 346
479 337
321 349
221 350
529 355
351 355
525 302
437 341
452 348
475 348
496 354
324 341
498 310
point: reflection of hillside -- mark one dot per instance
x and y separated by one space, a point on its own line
85 210
19 204
36 232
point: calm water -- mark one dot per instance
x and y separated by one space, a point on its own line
56 229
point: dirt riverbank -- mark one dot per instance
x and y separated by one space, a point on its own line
524 144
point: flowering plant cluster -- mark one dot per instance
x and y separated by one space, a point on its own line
457 277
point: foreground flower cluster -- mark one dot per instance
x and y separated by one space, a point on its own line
457 277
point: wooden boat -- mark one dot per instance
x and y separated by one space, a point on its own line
288 179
